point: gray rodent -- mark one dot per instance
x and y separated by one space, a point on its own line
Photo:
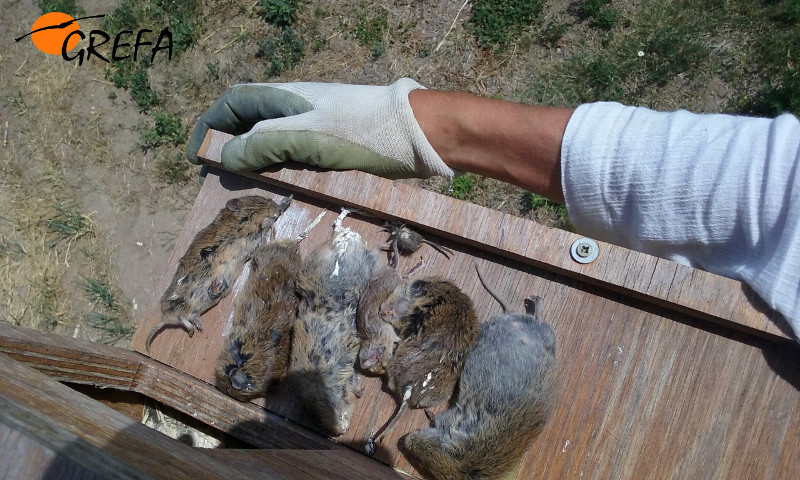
438 326
505 396
324 339
378 338
405 241
213 261
257 350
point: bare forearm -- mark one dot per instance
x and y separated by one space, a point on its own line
515 143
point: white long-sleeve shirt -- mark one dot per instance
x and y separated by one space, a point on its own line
716 192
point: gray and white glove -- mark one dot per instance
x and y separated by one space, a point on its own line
328 125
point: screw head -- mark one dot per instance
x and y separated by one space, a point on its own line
584 250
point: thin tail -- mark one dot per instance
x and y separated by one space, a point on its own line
503 303
311 226
371 446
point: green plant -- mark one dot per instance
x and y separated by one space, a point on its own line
173 169
497 22
99 293
461 186
775 60
46 297
370 29
133 76
212 68
111 327
548 209
69 224
280 13
552 32
18 102
64 6
10 248
602 14
182 18
319 44
282 52
167 128
670 50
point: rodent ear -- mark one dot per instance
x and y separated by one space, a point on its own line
233 204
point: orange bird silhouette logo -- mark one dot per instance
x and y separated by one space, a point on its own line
51 29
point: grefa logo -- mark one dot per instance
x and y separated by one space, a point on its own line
57 33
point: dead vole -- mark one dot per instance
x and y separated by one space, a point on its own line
378 338
324 339
405 241
438 326
213 261
505 397
257 350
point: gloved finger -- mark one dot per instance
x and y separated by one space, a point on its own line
241 107
263 148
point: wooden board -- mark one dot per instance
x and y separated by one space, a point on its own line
48 430
666 371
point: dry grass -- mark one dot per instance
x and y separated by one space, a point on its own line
47 241
65 132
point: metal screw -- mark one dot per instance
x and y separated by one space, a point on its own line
584 250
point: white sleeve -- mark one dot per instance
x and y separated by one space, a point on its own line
717 192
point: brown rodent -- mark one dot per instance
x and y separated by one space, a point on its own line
213 261
378 338
324 338
257 350
405 241
505 397
438 326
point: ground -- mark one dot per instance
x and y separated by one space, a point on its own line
93 186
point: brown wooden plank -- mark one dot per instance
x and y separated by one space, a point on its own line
76 361
129 403
625 363
90 437
23 458
696 293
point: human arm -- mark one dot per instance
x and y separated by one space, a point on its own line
516 143
717 192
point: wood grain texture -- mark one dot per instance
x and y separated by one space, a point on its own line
666 371
700 294
48 430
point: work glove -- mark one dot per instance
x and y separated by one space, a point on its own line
335 126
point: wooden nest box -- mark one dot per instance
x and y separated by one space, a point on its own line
665 371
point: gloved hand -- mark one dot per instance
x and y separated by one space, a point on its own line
334 126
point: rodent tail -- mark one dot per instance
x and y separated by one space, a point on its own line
150 336
311 226
371 447
502 301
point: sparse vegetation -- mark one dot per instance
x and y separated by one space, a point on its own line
167 129
281 52
601 12
499 22
68 225
370 28
736 56
99 293
111 327
280 13
107 320
462 186
548 211
173 169
70 7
